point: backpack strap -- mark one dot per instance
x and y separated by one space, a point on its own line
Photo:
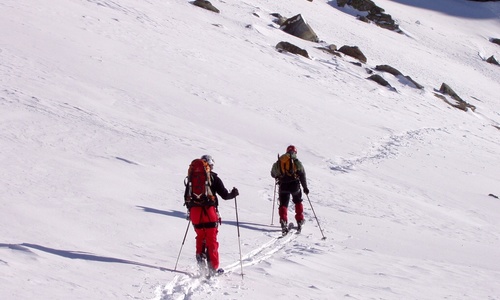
292 166
208 190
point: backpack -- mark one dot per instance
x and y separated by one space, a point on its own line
286 166
198 182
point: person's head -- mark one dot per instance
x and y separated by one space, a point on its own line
210 161
291 149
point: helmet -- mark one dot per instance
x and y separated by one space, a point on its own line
291 149
210 161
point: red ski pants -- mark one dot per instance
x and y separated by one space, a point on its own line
284 199
205 220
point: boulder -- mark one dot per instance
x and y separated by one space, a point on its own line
298 27
206 5
288 47
353 51
379 79
492 60
397 73
459 103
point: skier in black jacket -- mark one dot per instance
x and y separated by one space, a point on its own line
290 174
205 220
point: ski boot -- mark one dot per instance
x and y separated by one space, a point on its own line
213 272
284 227
201 259
299 225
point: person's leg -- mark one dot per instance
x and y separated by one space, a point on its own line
284 199
195 214
207 243
212 247
299 208
201 235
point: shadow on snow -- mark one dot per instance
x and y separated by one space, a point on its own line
246 225
26 247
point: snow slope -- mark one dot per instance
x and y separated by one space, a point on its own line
104 103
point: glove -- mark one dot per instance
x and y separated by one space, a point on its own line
188 214
306 191
234 192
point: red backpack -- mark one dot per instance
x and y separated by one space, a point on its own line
199 181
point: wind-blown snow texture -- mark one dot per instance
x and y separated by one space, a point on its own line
104 103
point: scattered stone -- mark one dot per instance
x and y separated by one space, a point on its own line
280 20
388 69
206 5
492 60
397 73
332 49
288 47
459 103
378 79
353 51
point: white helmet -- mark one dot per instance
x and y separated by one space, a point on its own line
210 161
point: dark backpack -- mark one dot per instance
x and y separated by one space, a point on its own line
198 181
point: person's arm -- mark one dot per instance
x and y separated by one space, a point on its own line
302 176
219 188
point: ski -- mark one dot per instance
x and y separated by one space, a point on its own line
291 227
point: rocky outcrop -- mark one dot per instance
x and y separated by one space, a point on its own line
455 100
371 13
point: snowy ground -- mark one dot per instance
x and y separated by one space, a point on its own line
104 104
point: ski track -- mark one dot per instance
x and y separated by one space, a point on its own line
186 286
389 148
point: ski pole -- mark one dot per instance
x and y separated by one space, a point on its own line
274 193
274 201
324 237
238 227
184 240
